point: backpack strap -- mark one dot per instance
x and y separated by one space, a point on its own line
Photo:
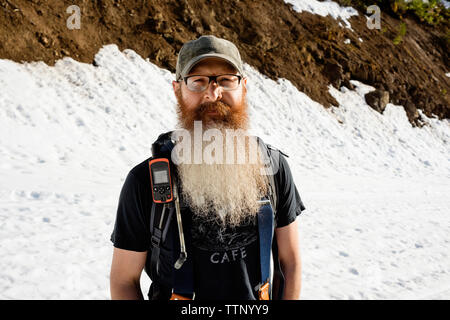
159 222
271 159
183 279
183 286
265 233
278 281
158 233
266 223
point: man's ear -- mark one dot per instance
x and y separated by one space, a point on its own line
175 86
244 81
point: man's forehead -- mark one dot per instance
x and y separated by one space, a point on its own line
212 66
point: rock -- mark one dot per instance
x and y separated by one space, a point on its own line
334 72
377 99
411 111
384 99
212 28
361 73
348 84
43 39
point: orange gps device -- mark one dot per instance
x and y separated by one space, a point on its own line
160 180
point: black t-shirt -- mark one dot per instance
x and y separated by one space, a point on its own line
226 261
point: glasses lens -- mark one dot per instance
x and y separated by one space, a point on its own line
228 82
197 83
200 83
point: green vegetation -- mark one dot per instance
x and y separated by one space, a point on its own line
401 33
431 12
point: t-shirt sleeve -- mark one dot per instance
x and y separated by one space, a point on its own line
289 203
131 231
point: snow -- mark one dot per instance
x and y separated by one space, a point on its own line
325 8
376 188
446 3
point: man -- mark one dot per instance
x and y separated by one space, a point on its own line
219 200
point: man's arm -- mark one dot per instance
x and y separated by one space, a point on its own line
126 269
289 255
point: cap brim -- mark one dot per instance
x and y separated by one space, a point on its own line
197 59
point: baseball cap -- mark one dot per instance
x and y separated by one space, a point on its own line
206 47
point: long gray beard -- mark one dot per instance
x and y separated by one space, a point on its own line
226 193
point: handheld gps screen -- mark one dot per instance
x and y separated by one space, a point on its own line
160 180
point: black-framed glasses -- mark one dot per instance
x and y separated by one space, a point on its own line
198 83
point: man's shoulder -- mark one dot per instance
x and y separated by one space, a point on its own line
272 149
141 172
276 151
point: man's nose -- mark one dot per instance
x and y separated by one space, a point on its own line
213 92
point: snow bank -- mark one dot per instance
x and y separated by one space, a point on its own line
376 189
325 8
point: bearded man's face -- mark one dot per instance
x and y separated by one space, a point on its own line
225 192
214 106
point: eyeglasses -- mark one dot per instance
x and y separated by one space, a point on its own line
198 83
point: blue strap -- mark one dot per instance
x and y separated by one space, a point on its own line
265 229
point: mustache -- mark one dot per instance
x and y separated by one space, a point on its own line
222 108
235 116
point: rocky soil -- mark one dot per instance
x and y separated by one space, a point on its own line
309 50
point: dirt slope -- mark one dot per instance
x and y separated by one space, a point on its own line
307 49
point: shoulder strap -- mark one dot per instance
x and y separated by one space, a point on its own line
182 277
158 232
159 221
271 158
266 222
265 233
163 146
273 154
183 282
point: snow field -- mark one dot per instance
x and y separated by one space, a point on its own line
376 189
